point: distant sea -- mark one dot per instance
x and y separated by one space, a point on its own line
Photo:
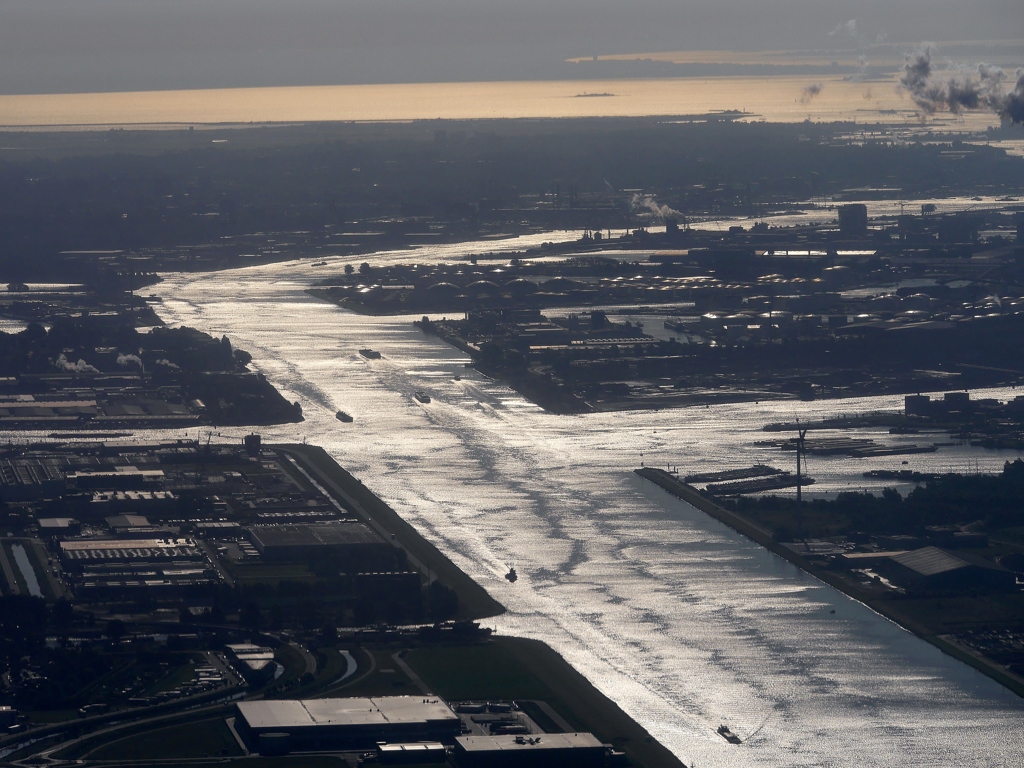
773 99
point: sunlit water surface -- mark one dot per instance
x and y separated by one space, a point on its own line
683 622
772 98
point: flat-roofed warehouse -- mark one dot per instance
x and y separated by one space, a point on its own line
558 750
301 541
310 724
78 553
118 568
931 569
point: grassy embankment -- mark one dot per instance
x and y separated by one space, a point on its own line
206 738
511 668
927 624
506 668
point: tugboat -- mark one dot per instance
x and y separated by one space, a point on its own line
728 735
370 354
422 397
342 416
512 576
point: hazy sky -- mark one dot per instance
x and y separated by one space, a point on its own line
83 45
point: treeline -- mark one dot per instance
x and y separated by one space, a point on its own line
141 195
997 502
94 345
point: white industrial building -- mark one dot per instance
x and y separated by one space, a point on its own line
306 724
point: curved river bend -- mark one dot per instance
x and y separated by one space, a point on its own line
683 622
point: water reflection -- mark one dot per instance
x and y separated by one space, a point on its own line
684 623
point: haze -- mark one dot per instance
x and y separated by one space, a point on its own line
56 46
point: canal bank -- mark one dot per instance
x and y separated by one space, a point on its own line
741 524
577 697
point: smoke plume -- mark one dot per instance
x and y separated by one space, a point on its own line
852 30
957 94
123 360
648 203
1012 105
810 91
847 27
63 364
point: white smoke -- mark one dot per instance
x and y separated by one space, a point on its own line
641 203
123 360
846 28
852 30
63 364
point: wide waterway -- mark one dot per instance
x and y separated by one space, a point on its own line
771 98
683 622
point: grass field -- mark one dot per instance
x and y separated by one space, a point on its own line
294 761
515 668
174 677
53 715
293 663
386 679
177 742
290 761
485 671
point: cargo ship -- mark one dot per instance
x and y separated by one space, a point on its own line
728 735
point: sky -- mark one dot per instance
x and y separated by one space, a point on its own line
59 46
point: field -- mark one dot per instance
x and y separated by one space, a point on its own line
177 742
515 668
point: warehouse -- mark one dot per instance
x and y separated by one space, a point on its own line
931 569
558 750
101 569
282 726
80 553
281 543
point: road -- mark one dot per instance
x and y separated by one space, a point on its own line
215 559
308 657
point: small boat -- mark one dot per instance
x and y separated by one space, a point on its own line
370 354
422 397
728 735
342 416
512 576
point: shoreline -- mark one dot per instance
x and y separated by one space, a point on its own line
585 703
759 535
474 602
571 404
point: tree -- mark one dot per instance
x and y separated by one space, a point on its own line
63 614
249 616
329 634
115 631
442 602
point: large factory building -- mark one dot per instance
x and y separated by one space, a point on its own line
277 727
